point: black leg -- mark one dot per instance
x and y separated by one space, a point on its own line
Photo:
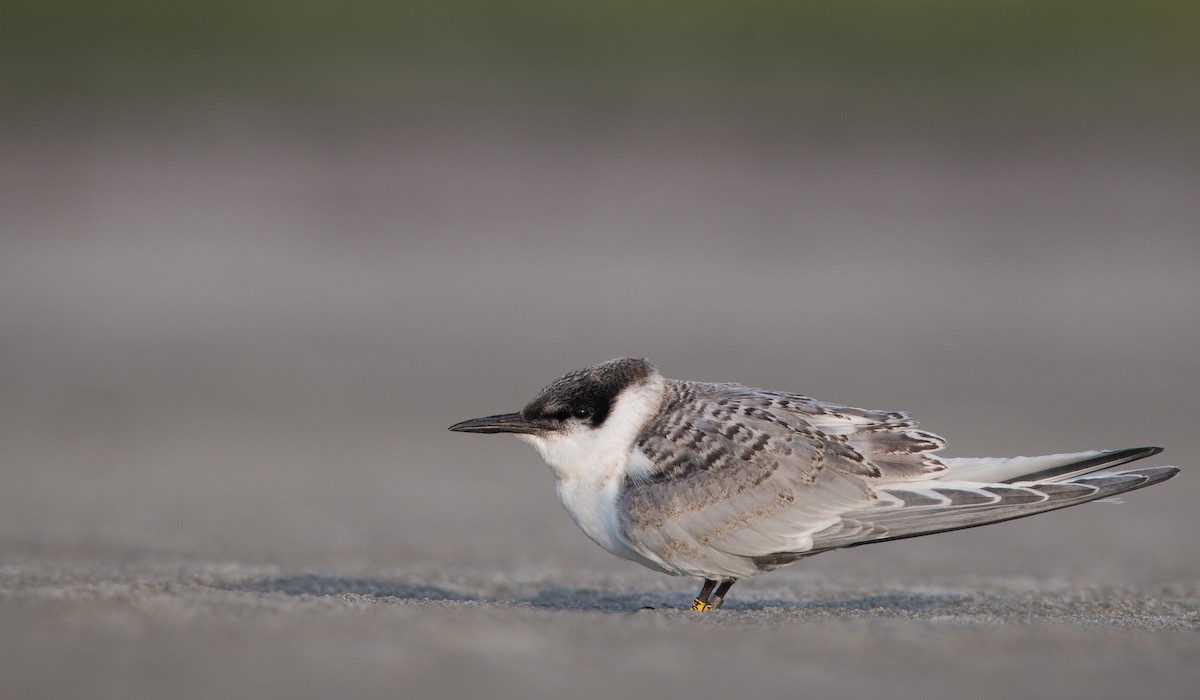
701 602
719 597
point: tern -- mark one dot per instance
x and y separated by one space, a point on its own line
723 481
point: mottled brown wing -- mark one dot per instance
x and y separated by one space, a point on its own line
738 480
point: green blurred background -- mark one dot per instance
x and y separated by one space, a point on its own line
928 46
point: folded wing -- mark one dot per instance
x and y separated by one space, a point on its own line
735 481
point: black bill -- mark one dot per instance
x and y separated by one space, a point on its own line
502 423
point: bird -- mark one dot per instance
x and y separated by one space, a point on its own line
721 482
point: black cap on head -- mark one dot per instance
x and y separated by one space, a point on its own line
583 396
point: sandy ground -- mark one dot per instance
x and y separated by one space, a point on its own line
233 336
228 630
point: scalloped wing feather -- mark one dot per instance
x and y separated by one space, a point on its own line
733 474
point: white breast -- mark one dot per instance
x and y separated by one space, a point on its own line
593 507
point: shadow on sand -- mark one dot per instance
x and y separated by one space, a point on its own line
323 585
586 599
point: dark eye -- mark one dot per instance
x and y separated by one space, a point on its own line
581 412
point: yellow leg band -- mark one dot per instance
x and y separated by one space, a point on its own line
700 605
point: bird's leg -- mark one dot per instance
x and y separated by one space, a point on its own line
719 597
700 604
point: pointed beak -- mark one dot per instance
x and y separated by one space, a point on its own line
502 423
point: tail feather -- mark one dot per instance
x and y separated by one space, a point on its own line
1045 468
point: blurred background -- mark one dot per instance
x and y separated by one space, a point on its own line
256 256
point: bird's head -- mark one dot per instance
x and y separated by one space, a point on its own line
584 416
